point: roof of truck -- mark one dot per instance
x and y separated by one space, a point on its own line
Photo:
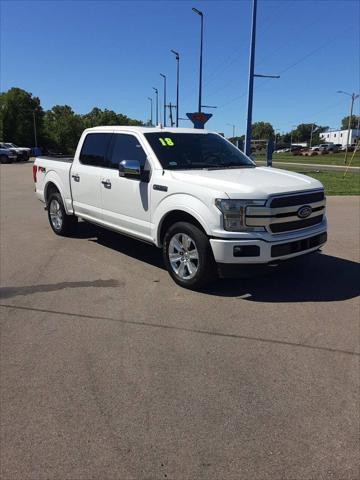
146 129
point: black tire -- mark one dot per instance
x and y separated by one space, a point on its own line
67 224
5 159
205 265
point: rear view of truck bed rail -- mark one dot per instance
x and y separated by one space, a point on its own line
58 158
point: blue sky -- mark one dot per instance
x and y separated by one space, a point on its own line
109 54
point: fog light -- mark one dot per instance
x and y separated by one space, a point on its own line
246 251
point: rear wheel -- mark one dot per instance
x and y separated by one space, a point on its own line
60 222
188 256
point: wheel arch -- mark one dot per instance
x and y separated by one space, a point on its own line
175 216
52 186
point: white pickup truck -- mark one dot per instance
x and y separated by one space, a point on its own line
189 192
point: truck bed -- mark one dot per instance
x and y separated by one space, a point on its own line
55 169
58 158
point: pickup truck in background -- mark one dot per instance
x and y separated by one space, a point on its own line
190 192
7 155
23 153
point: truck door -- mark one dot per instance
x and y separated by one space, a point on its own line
86 175
126 201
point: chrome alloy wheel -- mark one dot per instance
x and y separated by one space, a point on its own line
56 215
183 256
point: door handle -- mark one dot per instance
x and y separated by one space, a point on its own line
75 177
106 183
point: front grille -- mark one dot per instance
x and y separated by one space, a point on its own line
288 226
281 214
301 199
298 246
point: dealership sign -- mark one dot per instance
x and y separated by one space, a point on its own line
199 118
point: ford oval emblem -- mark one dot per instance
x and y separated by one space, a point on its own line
304 212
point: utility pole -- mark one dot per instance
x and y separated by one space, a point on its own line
313 129
251 80
201 55
353 96
170 107
157 104
164 77
177 56
151 110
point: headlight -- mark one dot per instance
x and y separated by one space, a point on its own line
234 213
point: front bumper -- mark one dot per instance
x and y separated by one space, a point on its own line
258 251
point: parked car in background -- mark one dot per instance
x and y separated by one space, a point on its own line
350 148
7 155
328 147
23 153
283 150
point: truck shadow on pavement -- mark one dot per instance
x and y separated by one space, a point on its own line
312 278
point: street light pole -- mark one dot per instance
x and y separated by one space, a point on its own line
276 134
251 80
151 110
177 56
353 96
35 133
164 77
233 128
201 54
157 104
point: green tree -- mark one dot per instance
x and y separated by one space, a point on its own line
58 129
105 117
302 133
62 128
355 119
18 109
234 140
262 131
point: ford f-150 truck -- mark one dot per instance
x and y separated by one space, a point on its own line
190 192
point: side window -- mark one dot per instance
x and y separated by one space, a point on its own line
94 149
126 147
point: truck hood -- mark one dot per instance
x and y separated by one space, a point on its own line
259 182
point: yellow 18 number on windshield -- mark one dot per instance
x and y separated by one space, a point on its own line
166 142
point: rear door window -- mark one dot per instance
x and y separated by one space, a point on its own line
95 148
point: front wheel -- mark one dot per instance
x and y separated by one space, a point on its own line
60 222
5 159
188 256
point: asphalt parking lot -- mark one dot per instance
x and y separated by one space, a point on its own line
111 371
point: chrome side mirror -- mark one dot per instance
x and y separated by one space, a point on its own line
130 169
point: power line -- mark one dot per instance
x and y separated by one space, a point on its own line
289 67
232 81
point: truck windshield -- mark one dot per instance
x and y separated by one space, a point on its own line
184 151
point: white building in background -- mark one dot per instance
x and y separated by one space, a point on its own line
340 136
